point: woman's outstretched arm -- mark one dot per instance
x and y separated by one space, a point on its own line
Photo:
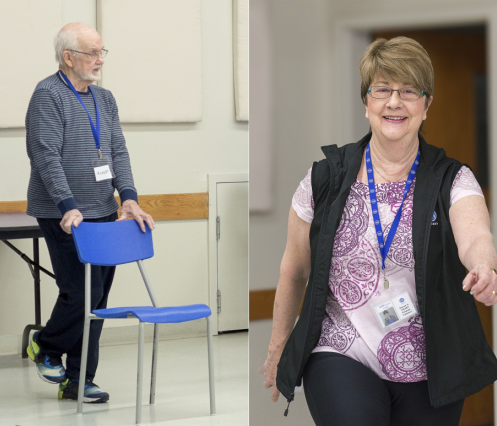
471 226
294 273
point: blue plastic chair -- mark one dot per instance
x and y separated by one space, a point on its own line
116 243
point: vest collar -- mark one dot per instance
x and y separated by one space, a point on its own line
430 159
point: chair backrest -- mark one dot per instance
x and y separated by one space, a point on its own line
112 243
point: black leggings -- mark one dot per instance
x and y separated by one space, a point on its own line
342 392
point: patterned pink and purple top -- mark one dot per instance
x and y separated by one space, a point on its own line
349 326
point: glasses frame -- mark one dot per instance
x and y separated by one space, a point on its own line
421 94
103 55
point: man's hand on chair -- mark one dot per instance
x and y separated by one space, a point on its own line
72 217
130 208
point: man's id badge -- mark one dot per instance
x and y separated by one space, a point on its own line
102 169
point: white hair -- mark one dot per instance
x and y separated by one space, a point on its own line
66 39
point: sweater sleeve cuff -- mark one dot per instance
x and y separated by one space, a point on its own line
128 194
66 205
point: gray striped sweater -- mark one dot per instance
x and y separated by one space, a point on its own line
61 149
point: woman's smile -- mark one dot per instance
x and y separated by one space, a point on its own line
396 119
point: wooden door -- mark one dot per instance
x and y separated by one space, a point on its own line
459 60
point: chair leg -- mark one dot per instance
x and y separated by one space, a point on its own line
154 364
82 368
86 336
212 391
141 342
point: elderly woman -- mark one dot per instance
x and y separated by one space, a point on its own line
386 224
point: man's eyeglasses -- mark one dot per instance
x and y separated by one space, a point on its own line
93 55
406 93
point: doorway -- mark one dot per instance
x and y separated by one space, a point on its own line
228 251
458 122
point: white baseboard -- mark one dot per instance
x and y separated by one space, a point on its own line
124 335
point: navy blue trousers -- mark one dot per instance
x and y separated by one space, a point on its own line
63 333
343 392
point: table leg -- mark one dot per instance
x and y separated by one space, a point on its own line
25 337
36 259
36 277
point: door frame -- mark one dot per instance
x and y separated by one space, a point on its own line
355 25
213 180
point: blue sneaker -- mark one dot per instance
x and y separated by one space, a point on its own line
68 390
49 368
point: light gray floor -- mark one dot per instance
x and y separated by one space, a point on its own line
182 396
263 412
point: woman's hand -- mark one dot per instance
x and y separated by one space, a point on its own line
481 282
270 367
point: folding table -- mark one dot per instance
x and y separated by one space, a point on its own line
15 226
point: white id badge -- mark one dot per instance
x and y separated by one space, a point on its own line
102 169
393 307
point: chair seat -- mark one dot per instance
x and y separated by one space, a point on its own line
167 314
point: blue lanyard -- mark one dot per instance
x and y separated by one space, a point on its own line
95 130
384 247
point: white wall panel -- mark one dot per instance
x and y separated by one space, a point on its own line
25 46
241 58
154 66
84 11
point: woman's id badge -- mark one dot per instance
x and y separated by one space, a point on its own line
399 308
392 308
102 169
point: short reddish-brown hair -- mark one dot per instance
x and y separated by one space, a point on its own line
400 59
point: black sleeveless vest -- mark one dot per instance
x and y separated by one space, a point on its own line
459 360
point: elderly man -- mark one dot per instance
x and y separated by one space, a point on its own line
78 159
